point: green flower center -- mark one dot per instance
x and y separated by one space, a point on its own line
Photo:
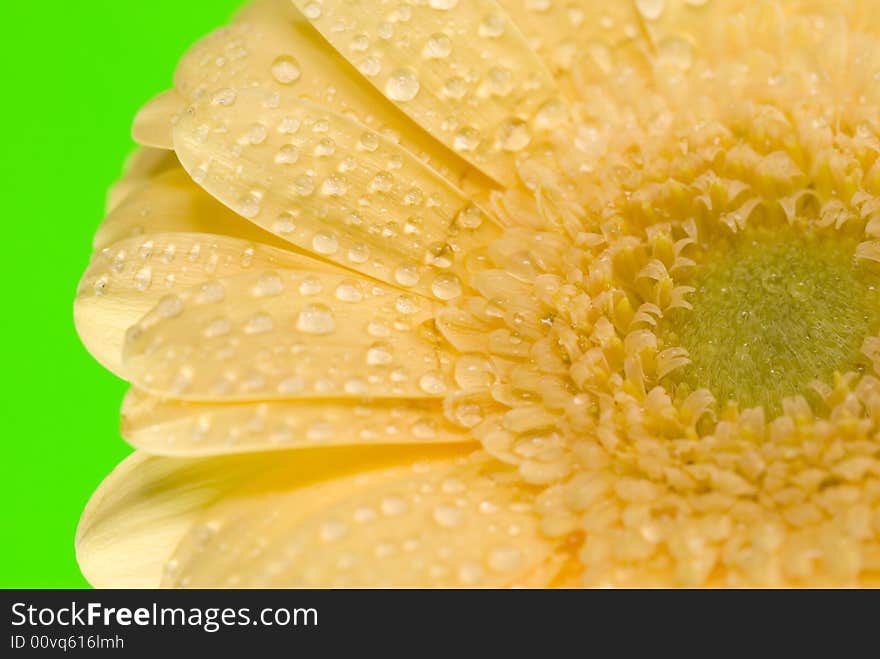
774 311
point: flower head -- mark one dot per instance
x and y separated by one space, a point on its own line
499 293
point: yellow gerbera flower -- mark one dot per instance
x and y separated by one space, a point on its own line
496 293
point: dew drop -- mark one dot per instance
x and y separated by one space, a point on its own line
651 9
455 88
513 135
402 85
470 217
304 185
407 275
467 139
325 243
492 26
504 559
378 328
349 292
259 323
325 147
292 385
359 253
360 43
312 11
249 205
143 278
368 142
224 97
255 134
169 306
470 574
311 286
284 224
500 81
446 286
286 70
364 515
316 319
370 66
473 372
382 182
432 383
393 506
379 354
100 285
333 531
218 327
334 185
406 305
210 292
267 285
287 155
438 46
448 516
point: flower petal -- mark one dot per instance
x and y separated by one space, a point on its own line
170 427
142 165
170 202
461 70
329 185
125 280
153 122
462 523
271 46
562 33
284 334
140 512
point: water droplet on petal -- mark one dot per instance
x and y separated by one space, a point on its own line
286 70
407 275
504 559
268 284
312 11
651 9
259 324
325 243
316 319
438 46
448 516
402 85
432 383
446 286
332 531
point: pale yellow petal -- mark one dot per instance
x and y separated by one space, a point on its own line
706 25
438 523
461 69
288 334
128 278
153 122
563 33
141 166
171 427
270 45
329 185
139 514
171 202
144 507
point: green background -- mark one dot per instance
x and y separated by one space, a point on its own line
74 74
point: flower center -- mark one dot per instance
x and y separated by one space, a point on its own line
773 311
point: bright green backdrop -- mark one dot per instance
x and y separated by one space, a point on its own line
74 74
